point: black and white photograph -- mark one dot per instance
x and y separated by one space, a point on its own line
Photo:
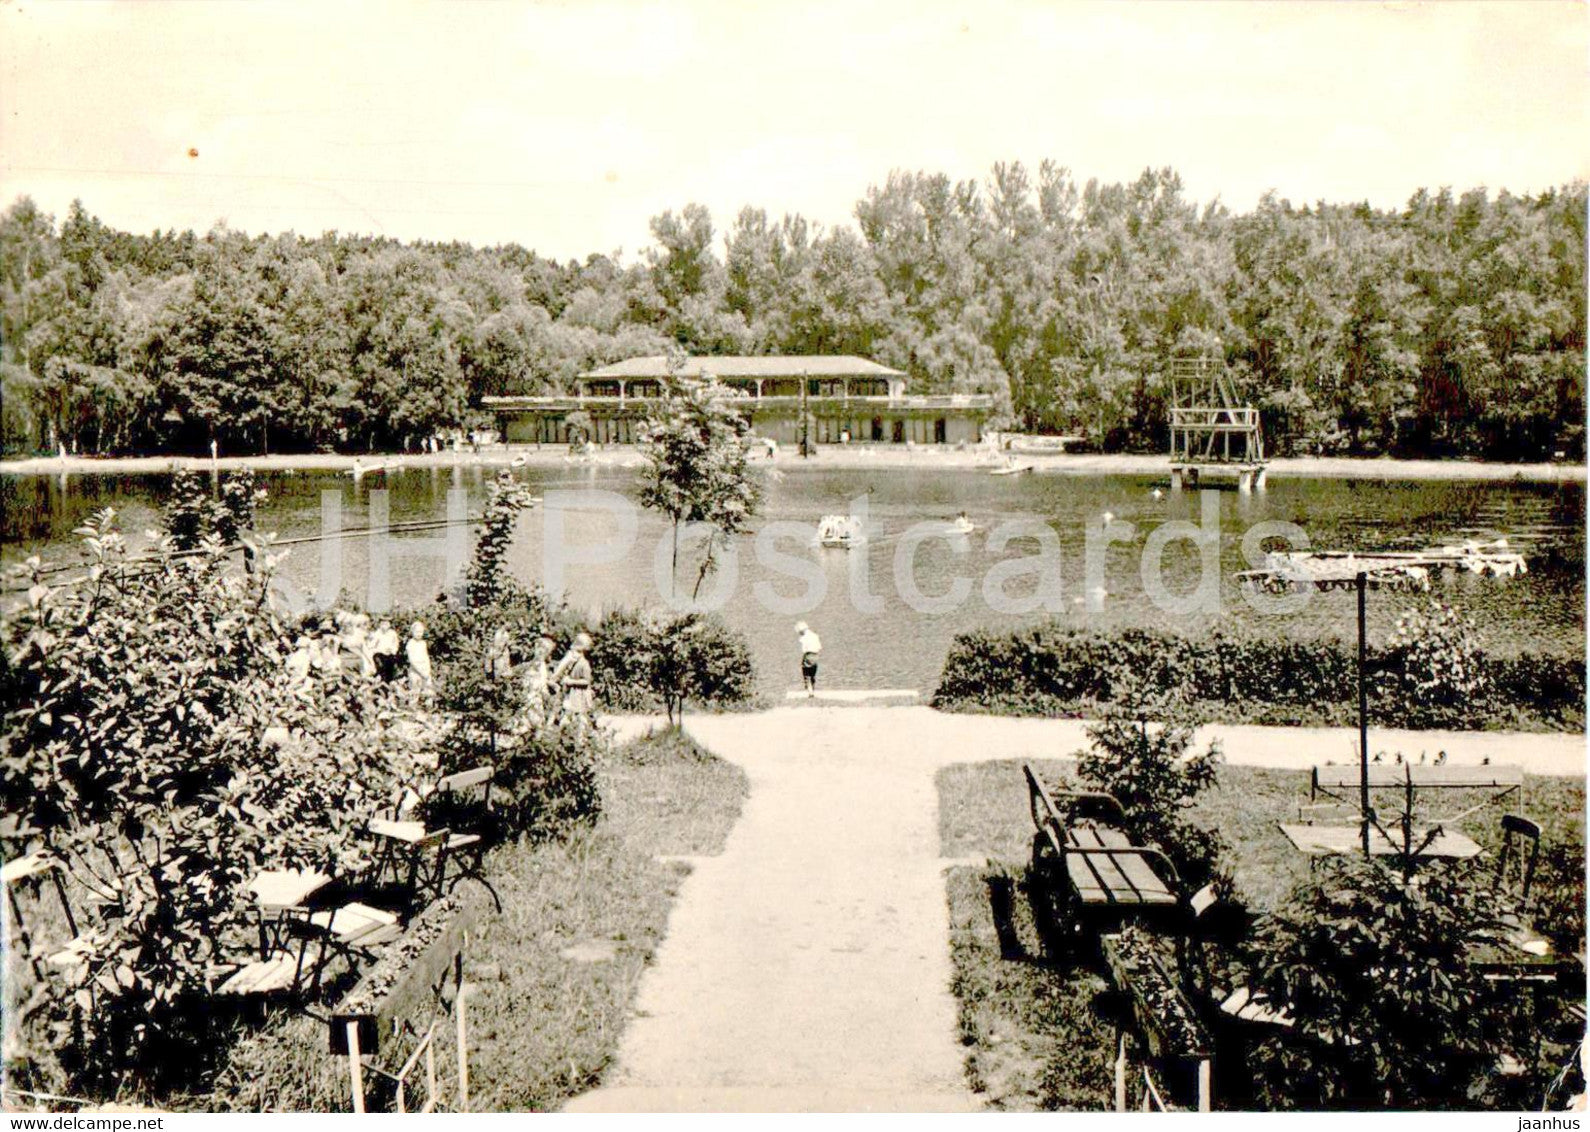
672 556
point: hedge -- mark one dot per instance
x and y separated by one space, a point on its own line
1053 670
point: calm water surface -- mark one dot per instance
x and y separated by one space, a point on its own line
895 645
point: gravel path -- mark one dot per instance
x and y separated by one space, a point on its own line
807 967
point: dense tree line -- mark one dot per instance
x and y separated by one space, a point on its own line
1454 326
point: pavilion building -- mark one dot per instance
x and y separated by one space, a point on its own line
847 400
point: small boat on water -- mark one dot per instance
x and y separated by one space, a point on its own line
1012 470
360 470
841 531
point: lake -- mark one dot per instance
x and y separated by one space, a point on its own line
894 637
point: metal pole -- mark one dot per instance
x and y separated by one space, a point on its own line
1363 712
805 430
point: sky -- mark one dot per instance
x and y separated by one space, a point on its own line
565 126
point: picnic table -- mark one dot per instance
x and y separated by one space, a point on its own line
1332 840
1341 782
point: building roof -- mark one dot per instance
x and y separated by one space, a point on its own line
728 365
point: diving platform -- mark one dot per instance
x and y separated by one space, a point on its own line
1212 434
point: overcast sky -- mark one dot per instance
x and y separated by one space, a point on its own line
565 126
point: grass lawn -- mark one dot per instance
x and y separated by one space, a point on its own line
543 1024
1036 1031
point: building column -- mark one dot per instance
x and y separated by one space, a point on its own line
759 389
621 391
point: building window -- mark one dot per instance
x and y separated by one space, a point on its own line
877 428
938 431
899 432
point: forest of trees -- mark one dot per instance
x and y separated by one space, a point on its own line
1455 326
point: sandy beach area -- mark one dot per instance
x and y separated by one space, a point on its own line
827 458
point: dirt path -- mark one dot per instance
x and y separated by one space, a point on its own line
807 967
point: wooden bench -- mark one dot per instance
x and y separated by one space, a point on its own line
1081 848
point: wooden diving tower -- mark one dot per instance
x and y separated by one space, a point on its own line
1210 432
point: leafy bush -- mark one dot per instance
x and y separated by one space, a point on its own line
1371 965
1142 754
1050 669
545 769
643 661
1559 897
548 779
137 709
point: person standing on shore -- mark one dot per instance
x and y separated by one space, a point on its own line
810 645
419 658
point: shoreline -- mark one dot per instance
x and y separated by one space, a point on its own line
831 457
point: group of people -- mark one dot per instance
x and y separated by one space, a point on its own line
344 641
564 688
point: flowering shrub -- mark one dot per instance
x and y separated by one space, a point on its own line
1432 666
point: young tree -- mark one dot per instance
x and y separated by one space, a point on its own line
487 581
695 470
1145 756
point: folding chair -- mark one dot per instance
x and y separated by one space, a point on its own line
465 796
280 967
30 870
408 861
353 931
1519 854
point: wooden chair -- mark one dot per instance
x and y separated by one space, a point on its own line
1239 1003
279 971
1515 864
407 862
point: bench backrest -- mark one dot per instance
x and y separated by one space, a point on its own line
1044 812
465 780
